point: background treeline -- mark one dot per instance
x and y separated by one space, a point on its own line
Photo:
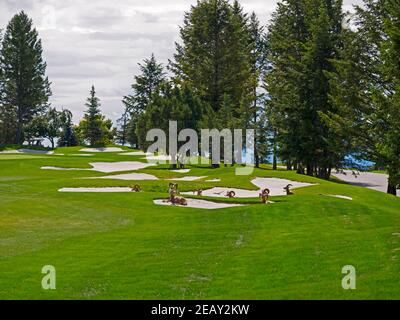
317 84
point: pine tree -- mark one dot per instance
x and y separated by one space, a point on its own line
303 39
26 88
146 84
92 124
258 65
123 128
387 100
214 58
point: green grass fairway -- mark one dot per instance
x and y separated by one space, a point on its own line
122 246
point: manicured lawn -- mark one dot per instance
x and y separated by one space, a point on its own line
122 246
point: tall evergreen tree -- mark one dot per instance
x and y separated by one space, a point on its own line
26 88
303 39
214 57
146 84
258 60
92 123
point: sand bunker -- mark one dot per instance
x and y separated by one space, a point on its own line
82 155
340 196
101 190
129 176
101 150
162 157
136 153
213 180
370 180
109 167
276 185
181 171
187 178
64 169
200 204
221 192
28 151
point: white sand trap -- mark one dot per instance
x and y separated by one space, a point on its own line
129 176
221 192
276 185
181 171
213 180
370 180
340 196
200 204
64 169
101 190
162 157
136 153
28 151
109 167
101 150
82 155
187 178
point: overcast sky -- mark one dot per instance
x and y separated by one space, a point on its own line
101 42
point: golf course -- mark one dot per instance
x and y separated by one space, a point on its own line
121 245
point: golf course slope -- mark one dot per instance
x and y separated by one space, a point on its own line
123 246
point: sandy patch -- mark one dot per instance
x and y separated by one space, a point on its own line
136 153
181 171
213 180
200 204
187 179
101 190
64 169
370 180
109 167
221 192
82 155
27 151
276 185
101 150
129 176
340 196
162 157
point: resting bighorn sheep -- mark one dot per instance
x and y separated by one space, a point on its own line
287 189
199 192
231 194
173 192
136 188
264 195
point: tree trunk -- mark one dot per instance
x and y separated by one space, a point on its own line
257 158
392 189
18 138
300 169
274 165
310 170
